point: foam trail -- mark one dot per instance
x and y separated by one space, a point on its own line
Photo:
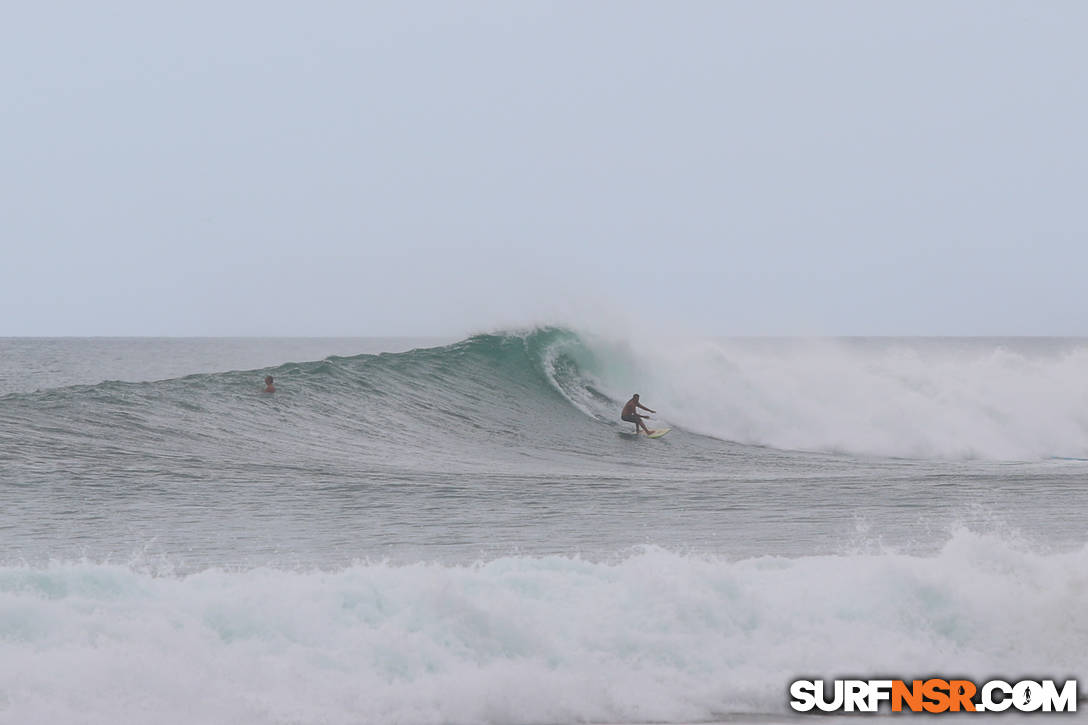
653 636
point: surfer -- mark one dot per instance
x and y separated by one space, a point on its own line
268 386
631 415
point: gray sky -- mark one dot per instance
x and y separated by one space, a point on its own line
356 168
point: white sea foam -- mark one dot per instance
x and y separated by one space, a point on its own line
651 636
956 398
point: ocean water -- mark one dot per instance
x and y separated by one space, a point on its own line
421 531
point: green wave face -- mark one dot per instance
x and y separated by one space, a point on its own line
511 397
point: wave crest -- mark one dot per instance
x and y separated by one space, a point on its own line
651 636
915 398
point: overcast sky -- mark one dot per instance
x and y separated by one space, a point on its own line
363 168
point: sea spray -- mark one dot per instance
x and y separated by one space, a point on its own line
1001 399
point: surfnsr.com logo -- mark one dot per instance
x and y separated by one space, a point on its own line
933 695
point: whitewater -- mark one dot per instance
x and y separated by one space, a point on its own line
464 532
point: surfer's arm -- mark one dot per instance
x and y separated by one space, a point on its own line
645 408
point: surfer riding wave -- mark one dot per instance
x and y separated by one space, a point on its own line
631 415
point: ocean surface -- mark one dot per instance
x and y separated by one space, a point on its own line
437 531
